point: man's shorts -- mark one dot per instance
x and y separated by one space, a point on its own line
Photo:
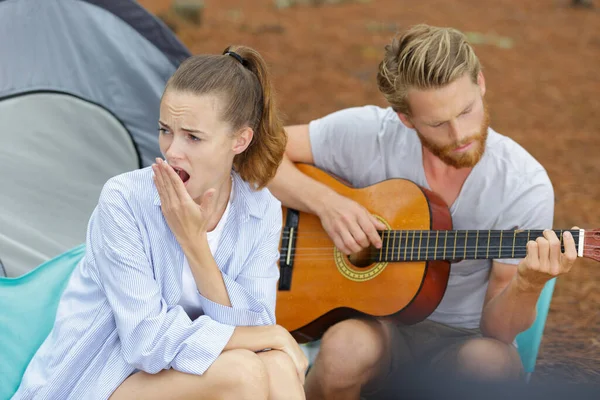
426 346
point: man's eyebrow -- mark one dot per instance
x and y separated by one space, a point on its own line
462 112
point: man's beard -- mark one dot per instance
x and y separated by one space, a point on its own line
468 158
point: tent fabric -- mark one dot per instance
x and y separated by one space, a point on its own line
77 47
149 27
80 88
53 171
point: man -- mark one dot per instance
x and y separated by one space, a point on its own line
436 133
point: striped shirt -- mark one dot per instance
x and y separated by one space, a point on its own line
120 313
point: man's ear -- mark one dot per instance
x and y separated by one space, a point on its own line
242 140
406 120
481 83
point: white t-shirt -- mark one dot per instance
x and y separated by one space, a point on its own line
508 188
190 299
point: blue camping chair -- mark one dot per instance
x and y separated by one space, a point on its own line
528 342
28 306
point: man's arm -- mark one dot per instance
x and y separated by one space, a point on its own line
293 188
350 225
513 309
515 285
509 306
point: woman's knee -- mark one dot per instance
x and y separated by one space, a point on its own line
279 361
245 375
284 379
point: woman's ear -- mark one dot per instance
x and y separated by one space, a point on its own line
242 140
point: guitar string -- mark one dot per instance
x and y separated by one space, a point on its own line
471 251
482 233
471 257
481 238
424 249
432 247
402 251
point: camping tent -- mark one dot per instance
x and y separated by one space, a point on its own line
80 85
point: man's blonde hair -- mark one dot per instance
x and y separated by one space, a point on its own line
424 57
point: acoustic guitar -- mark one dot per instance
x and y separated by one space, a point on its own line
405 279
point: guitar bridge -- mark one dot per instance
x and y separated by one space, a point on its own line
288 247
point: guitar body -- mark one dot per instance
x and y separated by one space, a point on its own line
326 288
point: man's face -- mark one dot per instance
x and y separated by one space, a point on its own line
452 121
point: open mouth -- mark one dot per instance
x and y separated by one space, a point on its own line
185 177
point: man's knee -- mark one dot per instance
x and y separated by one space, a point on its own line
489 359
352 346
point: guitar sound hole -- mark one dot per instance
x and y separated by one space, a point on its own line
361 259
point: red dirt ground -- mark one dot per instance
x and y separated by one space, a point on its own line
540 61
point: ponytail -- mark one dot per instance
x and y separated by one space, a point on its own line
259 163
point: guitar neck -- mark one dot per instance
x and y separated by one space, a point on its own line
423 245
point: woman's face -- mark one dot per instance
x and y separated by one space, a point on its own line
196 142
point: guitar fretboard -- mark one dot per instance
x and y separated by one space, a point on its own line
422 245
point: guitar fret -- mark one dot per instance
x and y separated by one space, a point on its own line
454 249
427 252
476 243
420 240
412 246
399 246
513 246
466 241
387 246
399 243
437 234
445 239
487 253
561 241
406 245
393 245
500 246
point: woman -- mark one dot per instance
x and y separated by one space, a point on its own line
176 294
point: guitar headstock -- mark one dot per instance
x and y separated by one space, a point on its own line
591 244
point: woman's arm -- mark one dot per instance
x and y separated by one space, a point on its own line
250 298
253 293
153 336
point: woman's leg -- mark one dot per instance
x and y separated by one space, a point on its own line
284 382
235 374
